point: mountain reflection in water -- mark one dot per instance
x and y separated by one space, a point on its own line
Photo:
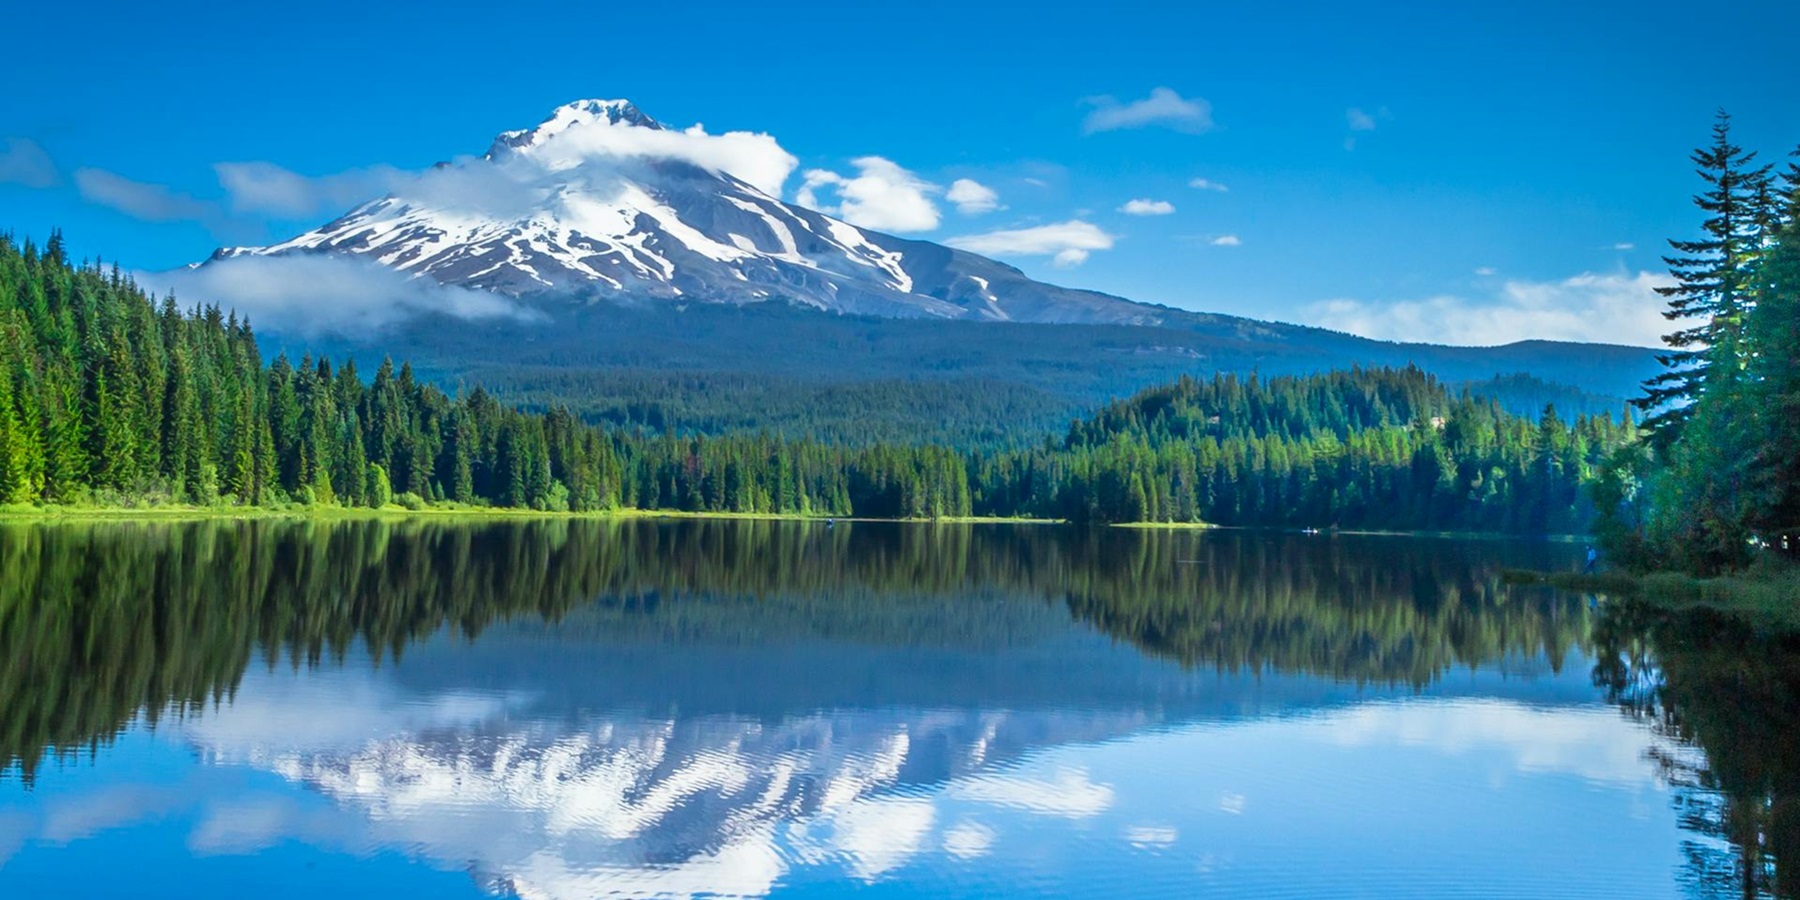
578 708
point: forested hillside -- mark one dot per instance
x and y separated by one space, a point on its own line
806 374
1388 448
110 397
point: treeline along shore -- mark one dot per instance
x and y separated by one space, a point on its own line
110 397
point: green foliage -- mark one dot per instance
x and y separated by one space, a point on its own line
1384 449
1712 275
1722 478
379 491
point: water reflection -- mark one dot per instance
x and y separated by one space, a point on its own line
571 709
1725 693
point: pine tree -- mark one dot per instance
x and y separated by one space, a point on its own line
66 466
1709 294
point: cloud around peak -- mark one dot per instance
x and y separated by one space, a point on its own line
754 158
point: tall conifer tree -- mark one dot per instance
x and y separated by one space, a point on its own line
1710 294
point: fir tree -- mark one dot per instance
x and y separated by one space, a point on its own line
1709 295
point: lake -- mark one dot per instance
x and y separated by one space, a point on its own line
569 709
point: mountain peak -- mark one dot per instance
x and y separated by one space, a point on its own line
574 115
615 112
599 200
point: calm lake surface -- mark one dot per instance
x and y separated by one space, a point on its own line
565 710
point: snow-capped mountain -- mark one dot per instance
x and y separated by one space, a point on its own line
600 201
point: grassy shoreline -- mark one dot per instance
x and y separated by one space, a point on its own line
178 512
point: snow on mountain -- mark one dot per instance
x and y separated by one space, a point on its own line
602 202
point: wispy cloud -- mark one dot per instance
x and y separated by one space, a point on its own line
1164 107
142 200
320 294
1360 121
268 189
1226 240
1067 243
1487 271
1147 208
23 162
1624 245
882 195
1208 185
1618 308
971 197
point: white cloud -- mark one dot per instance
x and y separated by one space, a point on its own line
972 197
1208 185
1615 309
266 188
753 158
1359 120
1067 243
882 195
22 161
1147 208
316 294
1226 240
140 200
1487 271
1624 245
1163 107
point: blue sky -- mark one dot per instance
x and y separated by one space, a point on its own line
1466 174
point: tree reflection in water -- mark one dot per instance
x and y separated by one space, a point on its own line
1725 693
104 625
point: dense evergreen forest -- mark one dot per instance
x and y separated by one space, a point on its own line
110 397
1718 475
